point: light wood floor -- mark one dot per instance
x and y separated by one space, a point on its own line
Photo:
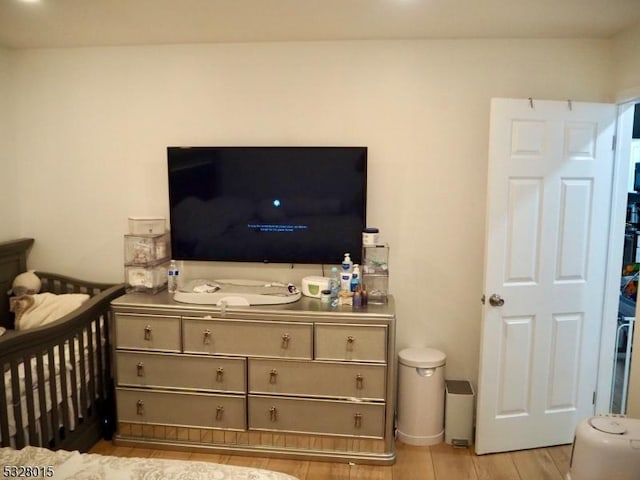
440 462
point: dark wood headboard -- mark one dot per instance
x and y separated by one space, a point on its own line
13 261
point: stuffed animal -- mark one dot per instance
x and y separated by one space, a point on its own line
26 283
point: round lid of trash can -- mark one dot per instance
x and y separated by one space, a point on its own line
608 425
422 357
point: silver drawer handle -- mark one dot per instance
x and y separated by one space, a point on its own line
219 412
140 407
357 420
273 376
206 337
285 340
140 369
220 374
273 414
147 332
350 341
359 381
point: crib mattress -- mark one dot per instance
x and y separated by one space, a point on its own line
69 367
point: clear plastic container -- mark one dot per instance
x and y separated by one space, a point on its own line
148 279
146 225
146 249
375 259
375 272
377 287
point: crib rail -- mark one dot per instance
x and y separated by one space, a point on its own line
57 377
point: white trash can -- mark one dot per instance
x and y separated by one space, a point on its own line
458 416
421 390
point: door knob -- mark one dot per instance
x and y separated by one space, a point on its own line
496 300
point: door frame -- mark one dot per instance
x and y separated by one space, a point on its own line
614 254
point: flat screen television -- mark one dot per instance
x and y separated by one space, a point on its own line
267 204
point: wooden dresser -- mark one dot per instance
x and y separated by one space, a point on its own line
300 380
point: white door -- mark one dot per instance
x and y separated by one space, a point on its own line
548 206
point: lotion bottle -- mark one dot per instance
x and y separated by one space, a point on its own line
345 274
347 263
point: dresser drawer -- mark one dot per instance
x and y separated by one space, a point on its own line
319 379
181 371
351 342
330 417
248 338
181 409
148 332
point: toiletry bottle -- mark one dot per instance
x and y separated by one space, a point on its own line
357 298
347 263
325 296
172 277
355 278
334 286
345 274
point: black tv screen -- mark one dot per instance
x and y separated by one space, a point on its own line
267 204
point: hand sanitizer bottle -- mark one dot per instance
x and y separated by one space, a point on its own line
355 278
172 277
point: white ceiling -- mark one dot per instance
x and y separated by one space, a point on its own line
73 23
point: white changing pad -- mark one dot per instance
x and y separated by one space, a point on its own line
235 292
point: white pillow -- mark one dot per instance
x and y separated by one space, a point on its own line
43 308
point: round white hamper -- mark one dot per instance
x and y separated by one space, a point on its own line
606 448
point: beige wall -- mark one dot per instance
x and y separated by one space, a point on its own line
9 226
93 124
625 48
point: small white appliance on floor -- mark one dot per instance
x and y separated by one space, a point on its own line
606 448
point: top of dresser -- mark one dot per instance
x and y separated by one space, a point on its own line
306 306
